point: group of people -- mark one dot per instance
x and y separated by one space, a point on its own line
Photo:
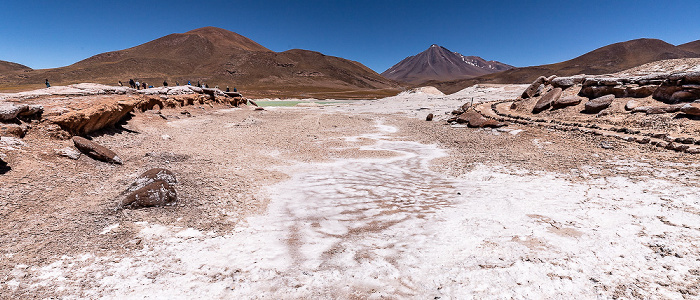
142 85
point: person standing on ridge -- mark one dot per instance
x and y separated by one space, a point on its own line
234 89
228 90
138 85
47 83
120 83
188 82
165 83
132 84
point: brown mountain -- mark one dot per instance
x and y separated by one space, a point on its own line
438 63
692 47
220 57
609 59
7 67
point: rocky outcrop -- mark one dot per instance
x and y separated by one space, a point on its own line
12 129
104 114
598 104
566 101
681 87
546 101
96 150
154 187
532 90
9 111
4 167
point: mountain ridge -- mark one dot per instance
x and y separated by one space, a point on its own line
604 60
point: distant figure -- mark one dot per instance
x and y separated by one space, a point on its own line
205 86
216 87
132 84
165 83
199 84
143 85
150 86
177 83
138 85
235 90
188 82
227 89
47 83
120 83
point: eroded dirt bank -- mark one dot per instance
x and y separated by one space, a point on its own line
329 202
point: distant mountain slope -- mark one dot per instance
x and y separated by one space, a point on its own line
609 59
217 56
692 47
438 63
6 67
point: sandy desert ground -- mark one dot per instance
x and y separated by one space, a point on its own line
352 200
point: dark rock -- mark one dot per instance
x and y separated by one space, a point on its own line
685 96
566 101
598 104
531 90
96 150
429 117
252 102
599 91
259 108
546 101
157 193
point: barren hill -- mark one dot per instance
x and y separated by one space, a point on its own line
220 57
439 63
609 59
6 67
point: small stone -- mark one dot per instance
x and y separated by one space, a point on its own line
429 117
69 152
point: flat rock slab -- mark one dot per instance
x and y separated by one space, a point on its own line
546 101
96 150
598 104
566 101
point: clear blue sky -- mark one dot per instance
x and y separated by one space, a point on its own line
47 34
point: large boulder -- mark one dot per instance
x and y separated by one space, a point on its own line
157 193
96 150
532 90
546 101
154 187
566 101
598 104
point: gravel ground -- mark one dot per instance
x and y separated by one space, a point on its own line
62 234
